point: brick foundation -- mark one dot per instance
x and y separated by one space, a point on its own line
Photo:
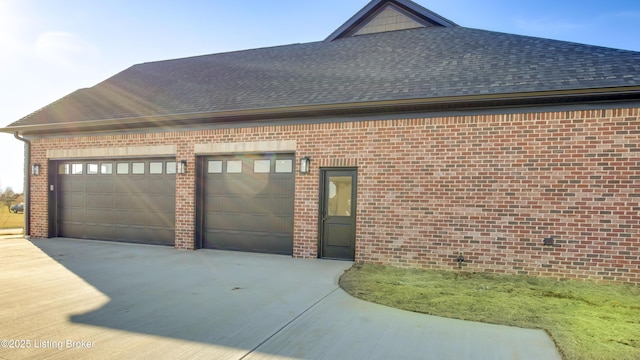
490 186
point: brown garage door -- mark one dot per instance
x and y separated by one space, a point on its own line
118 200
248 203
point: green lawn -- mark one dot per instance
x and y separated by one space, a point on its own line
586 320
9 220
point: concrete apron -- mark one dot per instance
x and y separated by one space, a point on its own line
64 298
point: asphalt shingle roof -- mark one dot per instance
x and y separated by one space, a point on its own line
409 64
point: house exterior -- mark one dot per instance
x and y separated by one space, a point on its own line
401 139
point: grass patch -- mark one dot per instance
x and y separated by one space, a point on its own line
586 320
9 220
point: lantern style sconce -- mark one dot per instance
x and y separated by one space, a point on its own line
305 163
182 167
35 169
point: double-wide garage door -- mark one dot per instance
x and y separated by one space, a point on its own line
248 203
119 200
245 202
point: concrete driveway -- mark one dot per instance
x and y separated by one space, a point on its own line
10 232
65 298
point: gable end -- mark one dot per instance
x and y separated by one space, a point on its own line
389 15
390 18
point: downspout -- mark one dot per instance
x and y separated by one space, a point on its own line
27 184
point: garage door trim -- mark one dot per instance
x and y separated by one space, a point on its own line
136 206
276 182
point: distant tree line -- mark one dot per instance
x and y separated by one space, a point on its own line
9 197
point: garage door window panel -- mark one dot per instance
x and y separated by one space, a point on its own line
171 167
156 167
76 169
64 169
92 169
137 168
106 168
284 166
214 167
122 169
261 166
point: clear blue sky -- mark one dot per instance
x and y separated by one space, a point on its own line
51 48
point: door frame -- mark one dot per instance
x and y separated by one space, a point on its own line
52 197
199 201
322 204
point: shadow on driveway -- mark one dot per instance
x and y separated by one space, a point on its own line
157 302
231 299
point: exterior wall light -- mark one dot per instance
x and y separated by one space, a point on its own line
182 167
35 169
305 164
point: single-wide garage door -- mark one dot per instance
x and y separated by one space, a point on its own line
248 203
118 200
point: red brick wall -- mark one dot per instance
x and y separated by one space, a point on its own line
185 196
38 209
492 187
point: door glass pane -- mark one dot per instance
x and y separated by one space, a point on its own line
339 196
